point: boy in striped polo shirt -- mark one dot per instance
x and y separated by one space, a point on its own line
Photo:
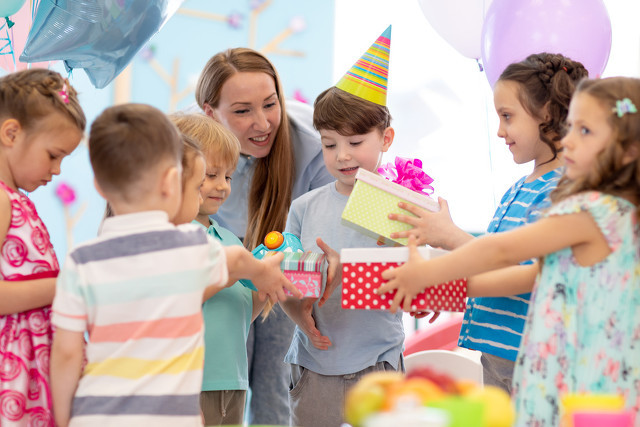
138 288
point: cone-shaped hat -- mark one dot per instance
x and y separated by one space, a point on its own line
367 78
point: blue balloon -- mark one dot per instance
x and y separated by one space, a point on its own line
10 7
100 36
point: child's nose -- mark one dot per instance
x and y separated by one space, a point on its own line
343 154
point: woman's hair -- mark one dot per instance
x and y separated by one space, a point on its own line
335 109
213 138
549 80
31 95
272 184
610 174
190 151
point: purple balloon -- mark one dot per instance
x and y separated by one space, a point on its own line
515 29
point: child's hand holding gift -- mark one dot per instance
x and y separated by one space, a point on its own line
334 270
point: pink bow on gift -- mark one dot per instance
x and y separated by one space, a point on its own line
408 173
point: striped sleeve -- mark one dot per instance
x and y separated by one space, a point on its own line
69 308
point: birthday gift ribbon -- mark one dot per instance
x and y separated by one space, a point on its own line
408 173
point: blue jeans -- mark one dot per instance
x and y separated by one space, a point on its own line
267 344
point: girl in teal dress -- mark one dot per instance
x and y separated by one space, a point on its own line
583 327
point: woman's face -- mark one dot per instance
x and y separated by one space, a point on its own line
249 107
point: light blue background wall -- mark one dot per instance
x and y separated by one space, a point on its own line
193 40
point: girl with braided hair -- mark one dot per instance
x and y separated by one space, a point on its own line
531 98
41 122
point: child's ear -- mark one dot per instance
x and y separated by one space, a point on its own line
387 138
9 130
99 189
171 184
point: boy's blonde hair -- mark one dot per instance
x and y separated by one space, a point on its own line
190 151
127 141
214 139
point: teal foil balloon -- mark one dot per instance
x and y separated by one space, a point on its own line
10 7
100 36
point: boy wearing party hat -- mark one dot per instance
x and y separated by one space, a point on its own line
333 348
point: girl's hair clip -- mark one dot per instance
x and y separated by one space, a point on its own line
624 106
63 93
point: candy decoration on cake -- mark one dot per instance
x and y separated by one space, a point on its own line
367 78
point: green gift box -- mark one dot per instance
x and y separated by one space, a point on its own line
373 198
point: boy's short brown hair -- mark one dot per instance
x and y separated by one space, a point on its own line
335 109
214 139
127 141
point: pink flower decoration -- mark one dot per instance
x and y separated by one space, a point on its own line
66 193
298 96
234 20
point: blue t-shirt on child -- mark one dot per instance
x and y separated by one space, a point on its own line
227 318
495 325
360 338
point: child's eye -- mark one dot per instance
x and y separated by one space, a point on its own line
227 178
211 175
355 143
506 116
584 131
243 111
329 146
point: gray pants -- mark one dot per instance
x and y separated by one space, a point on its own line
497 371
318 400
267 344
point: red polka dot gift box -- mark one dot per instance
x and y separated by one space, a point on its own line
362 273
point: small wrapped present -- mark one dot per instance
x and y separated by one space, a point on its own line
362 273
304 270
373 198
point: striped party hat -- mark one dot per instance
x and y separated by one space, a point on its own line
367 78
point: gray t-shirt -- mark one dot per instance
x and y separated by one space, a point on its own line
360 338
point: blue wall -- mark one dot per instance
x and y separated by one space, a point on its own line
304 61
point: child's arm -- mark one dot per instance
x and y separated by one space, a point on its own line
514 280
334 270
67 354
265 274
258 305
431 228
488 253
19 296
301 312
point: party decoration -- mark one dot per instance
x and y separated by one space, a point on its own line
13 37
459 22
514 29
408 173
67 196
9 7
367 78
99 36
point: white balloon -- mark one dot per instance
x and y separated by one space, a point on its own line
459 22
